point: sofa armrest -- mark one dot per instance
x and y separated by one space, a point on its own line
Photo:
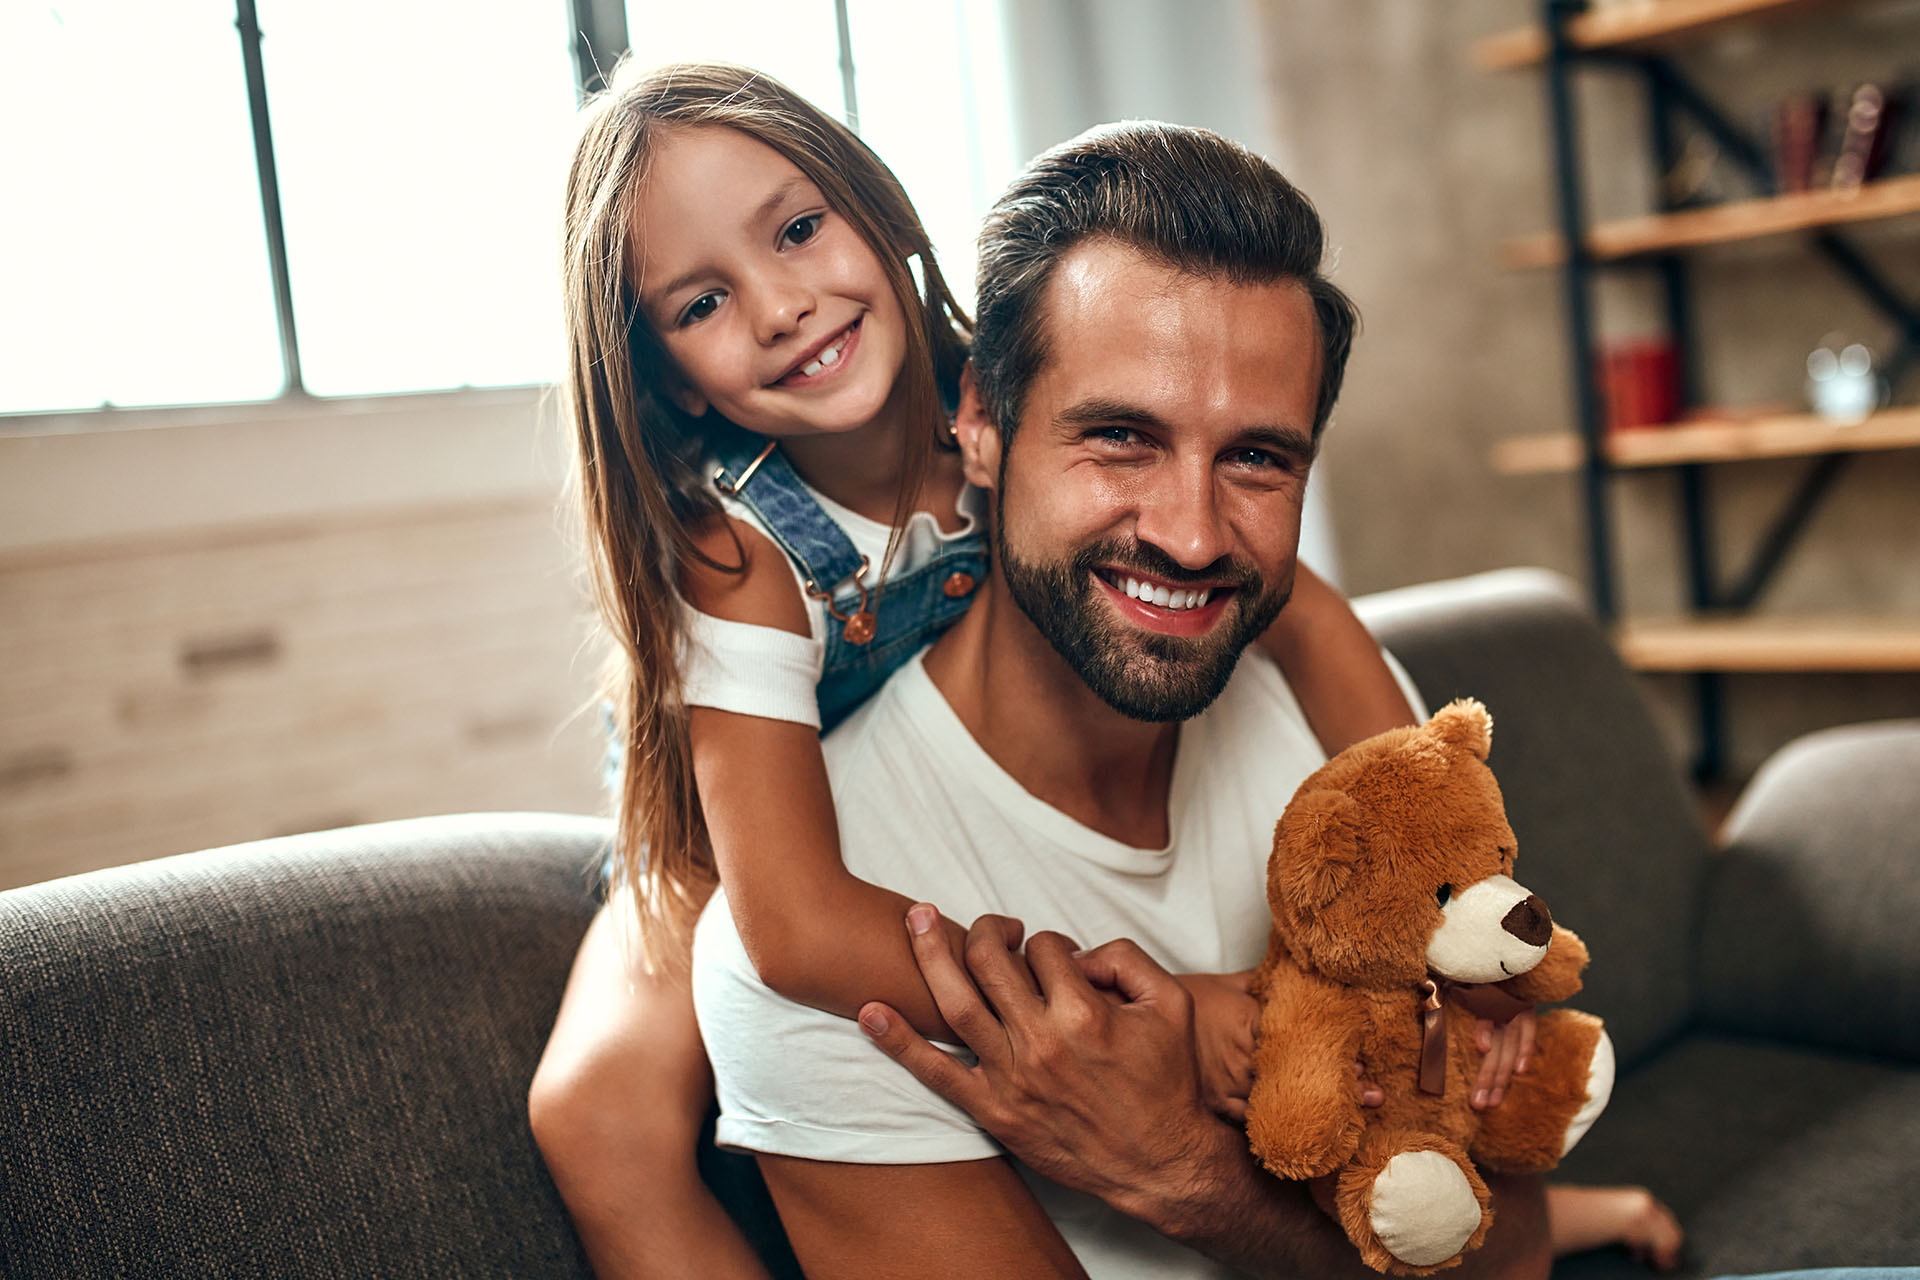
302 1057
1808 933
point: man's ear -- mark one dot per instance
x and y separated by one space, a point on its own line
979 438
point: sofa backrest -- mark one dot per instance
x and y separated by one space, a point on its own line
303 1057
1608 836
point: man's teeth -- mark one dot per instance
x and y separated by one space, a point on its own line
1151 593
826 359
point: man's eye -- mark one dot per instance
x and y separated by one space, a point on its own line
699 309
1115 435
801 230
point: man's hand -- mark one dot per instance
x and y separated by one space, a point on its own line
1508 1048
1095 1094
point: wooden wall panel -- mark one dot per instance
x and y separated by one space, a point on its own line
161 697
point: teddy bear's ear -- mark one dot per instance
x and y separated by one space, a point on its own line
1465 724
1319 844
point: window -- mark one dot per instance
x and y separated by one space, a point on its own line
133 266
420 149
421 153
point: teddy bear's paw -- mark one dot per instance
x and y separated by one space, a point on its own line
1599 1089
1423 1209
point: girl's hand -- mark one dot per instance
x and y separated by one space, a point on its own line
1508 1048
1225 1018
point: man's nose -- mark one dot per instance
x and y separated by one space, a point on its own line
1180 514
780 304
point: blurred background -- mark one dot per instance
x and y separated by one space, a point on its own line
281 539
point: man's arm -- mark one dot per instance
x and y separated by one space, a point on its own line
1100 1094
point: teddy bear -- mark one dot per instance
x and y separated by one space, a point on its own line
1397 922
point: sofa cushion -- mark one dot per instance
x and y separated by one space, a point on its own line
1608 836
304 1057
1772 1157
1809 927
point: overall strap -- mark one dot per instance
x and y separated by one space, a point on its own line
757 473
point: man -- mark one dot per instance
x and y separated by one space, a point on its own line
1156 355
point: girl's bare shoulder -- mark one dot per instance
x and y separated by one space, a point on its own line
749 579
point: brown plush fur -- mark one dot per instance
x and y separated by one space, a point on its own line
1353 884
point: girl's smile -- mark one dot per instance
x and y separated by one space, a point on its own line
775 310
831 358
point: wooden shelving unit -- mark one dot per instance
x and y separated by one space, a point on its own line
1733 440
1723 224
1722 634
1769 644
1643 25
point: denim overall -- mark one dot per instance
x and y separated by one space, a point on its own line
908 612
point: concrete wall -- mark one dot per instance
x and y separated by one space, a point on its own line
226 623
1421 166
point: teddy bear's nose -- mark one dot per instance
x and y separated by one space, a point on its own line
1530 921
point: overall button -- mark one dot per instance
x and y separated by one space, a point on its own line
958 585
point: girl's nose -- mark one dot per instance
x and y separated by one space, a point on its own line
780 308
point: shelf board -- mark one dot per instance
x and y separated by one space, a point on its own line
1640 24
1770 644
1784 436
1723 223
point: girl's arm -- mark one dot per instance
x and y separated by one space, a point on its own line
816 933
1334 666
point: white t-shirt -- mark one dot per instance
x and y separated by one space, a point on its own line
763 671
925 811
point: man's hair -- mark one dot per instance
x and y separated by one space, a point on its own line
1192 199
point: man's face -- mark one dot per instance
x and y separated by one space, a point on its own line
1148 506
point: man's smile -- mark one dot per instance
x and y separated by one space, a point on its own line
1164 607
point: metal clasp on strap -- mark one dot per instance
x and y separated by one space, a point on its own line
730 486
859 628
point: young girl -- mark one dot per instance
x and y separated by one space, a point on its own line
759 387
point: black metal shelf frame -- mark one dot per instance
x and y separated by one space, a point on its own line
1670 97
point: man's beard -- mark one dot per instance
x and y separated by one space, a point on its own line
1139 673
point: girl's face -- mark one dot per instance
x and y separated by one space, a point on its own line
777 313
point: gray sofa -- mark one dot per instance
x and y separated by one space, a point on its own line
309 1056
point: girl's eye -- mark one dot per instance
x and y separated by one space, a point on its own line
801 230
1446 892
699 309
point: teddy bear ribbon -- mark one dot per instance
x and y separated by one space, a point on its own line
1481 999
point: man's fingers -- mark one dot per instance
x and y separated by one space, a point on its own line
953 991
1528 1028
935 1068
1122 965
999 969
1052 957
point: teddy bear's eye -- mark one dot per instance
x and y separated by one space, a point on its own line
1446 892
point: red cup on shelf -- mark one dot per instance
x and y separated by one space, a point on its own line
1640 384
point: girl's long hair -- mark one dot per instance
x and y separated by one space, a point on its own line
638 481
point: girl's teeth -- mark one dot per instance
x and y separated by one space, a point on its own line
825 360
